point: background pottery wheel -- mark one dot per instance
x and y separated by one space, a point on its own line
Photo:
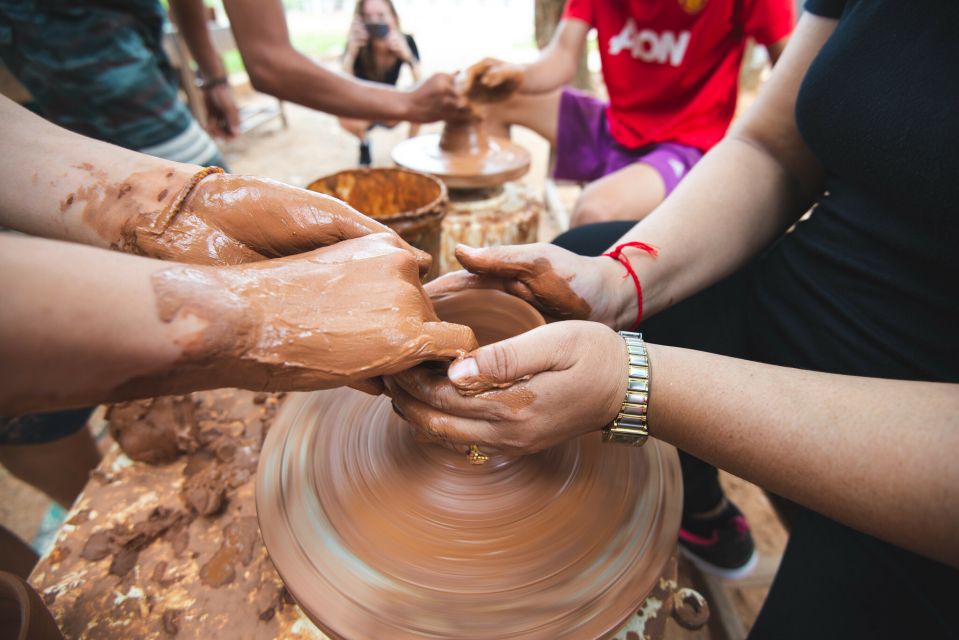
380 535
500 162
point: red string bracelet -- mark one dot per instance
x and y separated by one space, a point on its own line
617 254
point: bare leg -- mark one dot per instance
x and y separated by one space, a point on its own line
628 194
60 468
356 127
16 556
539 112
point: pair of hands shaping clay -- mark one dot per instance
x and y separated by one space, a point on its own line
329 317
540 388
228 220
488 81
339 300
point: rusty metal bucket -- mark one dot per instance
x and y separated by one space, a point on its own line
409 202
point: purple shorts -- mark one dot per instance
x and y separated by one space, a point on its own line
586 151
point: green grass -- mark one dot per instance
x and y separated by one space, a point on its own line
311 44
233 62
319 43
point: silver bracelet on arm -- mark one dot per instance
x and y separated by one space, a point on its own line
629 426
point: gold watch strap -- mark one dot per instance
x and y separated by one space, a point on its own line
629 426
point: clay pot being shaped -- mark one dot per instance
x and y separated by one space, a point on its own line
378 533
23 616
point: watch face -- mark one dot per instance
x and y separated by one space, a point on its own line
633 437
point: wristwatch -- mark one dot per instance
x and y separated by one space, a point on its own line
629 426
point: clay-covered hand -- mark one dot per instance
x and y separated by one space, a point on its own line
227 219
489 80
576 383
222 114
559 283
434 99
330 317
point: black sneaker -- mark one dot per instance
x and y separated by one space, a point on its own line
366 157
721 544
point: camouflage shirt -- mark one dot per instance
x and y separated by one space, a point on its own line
96 67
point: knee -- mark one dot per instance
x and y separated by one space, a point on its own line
592 210
356 127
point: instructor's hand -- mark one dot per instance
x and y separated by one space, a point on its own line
576 383
434 99
330 317
559 283
228 219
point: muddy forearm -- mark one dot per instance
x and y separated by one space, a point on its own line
81 326
61 185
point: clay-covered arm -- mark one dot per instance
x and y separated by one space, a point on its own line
80 325
278 69
60 185
877 455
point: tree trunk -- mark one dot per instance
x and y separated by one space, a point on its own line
546 17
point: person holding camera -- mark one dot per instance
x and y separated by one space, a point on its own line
376 51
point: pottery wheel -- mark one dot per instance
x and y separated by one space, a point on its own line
500 162
378 535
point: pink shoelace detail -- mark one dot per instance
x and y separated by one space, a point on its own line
692 537
740 524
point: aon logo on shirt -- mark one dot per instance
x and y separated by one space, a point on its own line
650 46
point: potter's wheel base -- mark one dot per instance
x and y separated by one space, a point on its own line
501 161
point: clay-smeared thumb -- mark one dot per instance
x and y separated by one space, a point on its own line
503 262
502 363
423 260
450 340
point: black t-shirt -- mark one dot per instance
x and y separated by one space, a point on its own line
393 73
869 285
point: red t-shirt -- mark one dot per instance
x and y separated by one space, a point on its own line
672 66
